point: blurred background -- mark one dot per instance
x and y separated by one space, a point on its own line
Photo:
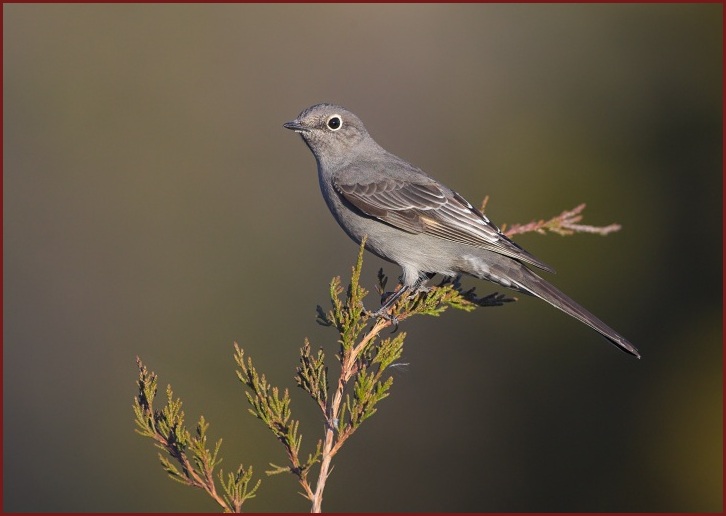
155 206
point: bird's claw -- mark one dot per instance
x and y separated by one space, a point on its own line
421 289
383 313
394 322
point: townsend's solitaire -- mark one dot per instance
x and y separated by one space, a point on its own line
413 220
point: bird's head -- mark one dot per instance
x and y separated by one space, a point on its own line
332 132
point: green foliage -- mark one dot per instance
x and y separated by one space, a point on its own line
195 463
564 224
365 361
364 381
236 488
274 411
348 316
312 375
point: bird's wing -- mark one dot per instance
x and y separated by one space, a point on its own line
424 206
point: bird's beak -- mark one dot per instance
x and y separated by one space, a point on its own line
295 126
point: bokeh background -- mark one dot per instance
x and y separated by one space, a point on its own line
155 206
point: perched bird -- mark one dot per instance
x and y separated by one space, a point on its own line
411 219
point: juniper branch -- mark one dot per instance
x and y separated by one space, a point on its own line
275 412
566 223
362 383
364 358
195 461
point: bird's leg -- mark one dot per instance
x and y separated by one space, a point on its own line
395 296
420 285
383 310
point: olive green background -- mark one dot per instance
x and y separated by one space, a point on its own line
155 206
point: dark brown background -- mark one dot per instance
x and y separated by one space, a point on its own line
154 205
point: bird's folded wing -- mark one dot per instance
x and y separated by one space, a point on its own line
425 207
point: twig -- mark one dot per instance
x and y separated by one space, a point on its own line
331 446
166 427
363 360
566 223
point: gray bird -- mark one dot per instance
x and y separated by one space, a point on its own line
413 220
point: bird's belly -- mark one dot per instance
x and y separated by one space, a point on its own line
421 252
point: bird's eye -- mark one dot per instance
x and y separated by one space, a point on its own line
334 122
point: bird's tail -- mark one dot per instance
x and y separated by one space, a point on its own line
531 283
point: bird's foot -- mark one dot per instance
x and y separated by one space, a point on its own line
382 312
421 289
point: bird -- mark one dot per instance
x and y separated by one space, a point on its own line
409 218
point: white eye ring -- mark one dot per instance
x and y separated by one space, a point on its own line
334 122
